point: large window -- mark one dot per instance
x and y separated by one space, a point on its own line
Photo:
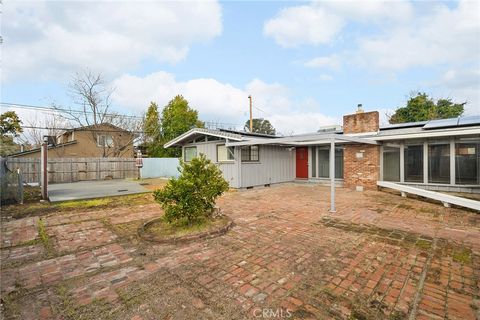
413 163
439 162
189 153
324 162
224 154
104 140
250 154
467 162
391 164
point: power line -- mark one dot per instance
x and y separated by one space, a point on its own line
64 110
266 113
79 129
53 109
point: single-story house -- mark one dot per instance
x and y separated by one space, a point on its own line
436 155
94 141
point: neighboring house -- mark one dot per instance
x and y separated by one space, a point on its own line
103 140
436 155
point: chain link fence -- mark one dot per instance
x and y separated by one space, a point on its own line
11 184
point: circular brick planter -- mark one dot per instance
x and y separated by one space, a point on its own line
182 239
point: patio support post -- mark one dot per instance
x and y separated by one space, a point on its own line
332 175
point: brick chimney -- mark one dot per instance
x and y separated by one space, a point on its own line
361 121
361 161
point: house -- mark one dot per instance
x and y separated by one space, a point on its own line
102 140
436 155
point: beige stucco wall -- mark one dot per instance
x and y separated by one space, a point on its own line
86 146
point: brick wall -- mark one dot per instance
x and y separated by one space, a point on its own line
361 122
361 161
361 165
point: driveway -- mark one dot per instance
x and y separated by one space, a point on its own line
93 189
380 256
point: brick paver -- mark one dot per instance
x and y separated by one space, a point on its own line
380 256
16 232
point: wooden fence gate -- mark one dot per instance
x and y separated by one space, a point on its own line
75 169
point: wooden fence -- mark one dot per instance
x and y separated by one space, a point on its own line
75 169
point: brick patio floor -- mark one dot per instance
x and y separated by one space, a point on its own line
380 256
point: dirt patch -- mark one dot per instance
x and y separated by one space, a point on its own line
157 230
31 209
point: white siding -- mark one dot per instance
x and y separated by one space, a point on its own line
229 173
277 164
209 149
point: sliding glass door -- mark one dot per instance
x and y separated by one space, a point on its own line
391 163
413 167
439 162
322 155
467 162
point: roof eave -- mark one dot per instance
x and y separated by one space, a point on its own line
178 140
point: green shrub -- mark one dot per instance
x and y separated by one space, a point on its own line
191 197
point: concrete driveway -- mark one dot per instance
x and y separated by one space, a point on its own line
93 189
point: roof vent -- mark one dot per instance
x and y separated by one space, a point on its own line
359 108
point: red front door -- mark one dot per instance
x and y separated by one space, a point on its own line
302 163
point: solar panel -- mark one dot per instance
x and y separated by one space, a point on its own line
442 123
403 125
469 120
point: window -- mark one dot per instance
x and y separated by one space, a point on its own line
324 162
467 162
413 163
104 140
224 153
250 154
391 164
189 153
439 162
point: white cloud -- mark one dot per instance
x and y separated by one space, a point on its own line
398 35
51 39
332 62
461 85
308 24
442 36
222 102
320 22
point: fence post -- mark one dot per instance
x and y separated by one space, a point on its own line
43 163
20 187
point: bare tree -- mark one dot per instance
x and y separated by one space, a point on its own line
52 125
92 93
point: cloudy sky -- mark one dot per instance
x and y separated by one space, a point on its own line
305 63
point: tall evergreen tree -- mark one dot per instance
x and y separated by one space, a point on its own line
152 130
177 118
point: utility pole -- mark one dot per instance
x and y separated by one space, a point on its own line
251 119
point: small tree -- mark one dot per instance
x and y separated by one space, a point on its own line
191 197
260 125
10 127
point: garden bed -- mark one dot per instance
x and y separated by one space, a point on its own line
157 230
